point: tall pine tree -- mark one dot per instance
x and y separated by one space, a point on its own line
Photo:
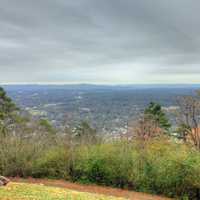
7 111
154 110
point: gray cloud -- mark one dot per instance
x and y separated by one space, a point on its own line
112 41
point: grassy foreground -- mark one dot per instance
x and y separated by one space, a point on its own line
23 191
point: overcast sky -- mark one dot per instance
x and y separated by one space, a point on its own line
100 41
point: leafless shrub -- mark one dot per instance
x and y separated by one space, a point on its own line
189 119
145 128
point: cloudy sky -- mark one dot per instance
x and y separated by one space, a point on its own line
100 41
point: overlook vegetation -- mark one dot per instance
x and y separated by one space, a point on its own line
148 159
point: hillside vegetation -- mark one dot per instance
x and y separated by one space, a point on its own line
162 167
147 159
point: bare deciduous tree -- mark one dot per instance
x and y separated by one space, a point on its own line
146 128
189 119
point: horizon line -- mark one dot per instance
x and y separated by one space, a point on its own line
85 83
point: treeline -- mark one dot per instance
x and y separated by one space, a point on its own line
148 158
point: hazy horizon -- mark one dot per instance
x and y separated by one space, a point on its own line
106 84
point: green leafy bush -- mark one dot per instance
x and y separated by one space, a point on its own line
105 164
167 168
52 164
16 157
162 167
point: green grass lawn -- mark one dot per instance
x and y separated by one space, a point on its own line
23 191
